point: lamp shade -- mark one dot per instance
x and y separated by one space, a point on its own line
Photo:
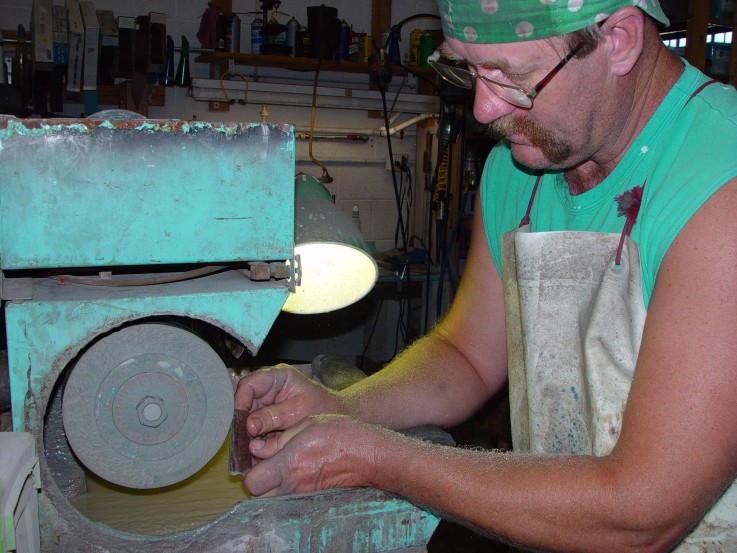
334 266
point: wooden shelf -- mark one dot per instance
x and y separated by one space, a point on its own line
219 61
301 64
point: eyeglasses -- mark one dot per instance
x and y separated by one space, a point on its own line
513 94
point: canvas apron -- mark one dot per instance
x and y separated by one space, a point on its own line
574 326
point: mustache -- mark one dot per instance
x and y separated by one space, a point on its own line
553 148
506 126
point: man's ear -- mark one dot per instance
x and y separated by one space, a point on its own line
626 35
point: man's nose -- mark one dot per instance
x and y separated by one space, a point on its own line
487 106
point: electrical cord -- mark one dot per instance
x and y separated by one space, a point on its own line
398 26
150 281
406 196
326 178
371 334
380 74
397 193
242 77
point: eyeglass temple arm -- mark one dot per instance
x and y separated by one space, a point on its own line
539 86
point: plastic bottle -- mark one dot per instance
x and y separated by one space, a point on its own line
183 77
427 45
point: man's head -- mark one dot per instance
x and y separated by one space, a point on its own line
496 21
590 107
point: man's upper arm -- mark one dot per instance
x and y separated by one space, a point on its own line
679 432
475 322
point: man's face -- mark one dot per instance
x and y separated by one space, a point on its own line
552 133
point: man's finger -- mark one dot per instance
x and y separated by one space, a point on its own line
260 386
274 418
264 479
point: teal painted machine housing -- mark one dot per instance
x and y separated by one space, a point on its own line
45 333
151 194
96 193
147 194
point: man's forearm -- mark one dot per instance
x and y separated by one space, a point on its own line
429 383
545 503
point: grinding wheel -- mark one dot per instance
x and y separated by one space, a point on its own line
147 406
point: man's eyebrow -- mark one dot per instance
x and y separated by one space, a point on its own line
449 54
499 63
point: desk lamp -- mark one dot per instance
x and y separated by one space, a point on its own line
333 266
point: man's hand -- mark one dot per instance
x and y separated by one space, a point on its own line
280 397
321 452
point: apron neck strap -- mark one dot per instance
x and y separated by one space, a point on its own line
526 218
628 206
698 90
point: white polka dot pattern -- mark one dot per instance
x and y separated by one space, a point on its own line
492 21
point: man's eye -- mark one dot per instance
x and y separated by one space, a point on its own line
496 75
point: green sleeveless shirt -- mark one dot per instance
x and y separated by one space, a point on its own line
685 153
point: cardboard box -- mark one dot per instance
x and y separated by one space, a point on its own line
60 35
157 42
42 35
76 46
150 57
108 67
126 46
143 41
91 45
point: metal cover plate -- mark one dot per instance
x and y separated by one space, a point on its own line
144 192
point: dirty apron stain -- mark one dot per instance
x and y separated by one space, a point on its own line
574 327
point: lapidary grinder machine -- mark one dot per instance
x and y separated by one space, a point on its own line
119 240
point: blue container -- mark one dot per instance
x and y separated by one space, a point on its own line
344 40
257 35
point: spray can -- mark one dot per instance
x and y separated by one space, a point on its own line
235 34
427 45
257 35
341 53
292 31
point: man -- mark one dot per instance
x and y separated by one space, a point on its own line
620 331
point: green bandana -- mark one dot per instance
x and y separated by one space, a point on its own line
492 21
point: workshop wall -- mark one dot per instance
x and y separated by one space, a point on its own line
358 169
